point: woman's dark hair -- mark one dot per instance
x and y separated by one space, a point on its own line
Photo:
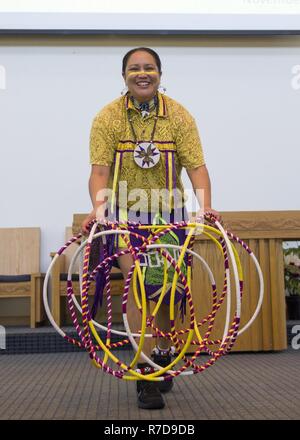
141 49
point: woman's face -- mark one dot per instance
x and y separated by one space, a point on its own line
142 76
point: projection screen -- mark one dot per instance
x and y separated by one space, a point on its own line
168 16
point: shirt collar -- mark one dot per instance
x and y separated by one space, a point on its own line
162 108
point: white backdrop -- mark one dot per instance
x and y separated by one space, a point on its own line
133 14
245 100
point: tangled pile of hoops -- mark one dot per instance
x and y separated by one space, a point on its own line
224 241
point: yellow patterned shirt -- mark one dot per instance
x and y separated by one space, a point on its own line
175 133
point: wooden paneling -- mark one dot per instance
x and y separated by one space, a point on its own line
268 331
247 224
20 251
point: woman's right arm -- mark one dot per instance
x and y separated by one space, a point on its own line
98 181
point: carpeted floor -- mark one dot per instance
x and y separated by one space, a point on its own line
65 386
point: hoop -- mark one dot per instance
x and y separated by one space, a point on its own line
213 231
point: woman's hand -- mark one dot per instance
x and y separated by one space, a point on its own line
208 211
97 213
84 225
213 212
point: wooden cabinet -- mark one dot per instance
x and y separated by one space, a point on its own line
264 233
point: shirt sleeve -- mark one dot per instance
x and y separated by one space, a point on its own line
188 143
102 143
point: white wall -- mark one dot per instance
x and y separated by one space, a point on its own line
242 92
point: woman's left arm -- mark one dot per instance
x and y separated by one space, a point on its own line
201 185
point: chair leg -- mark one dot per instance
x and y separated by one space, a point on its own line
55 292
32 301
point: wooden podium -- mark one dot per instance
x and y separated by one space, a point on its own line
264 233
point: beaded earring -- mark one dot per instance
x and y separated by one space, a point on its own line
162 89
124 91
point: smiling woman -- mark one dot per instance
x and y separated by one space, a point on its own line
141 142
142 73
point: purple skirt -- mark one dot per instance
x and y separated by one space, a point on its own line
151 261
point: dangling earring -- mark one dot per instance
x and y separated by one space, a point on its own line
162 89
124 91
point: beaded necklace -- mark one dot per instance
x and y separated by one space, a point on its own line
146 155
145 107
